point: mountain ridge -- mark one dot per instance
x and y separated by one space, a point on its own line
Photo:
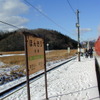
14 41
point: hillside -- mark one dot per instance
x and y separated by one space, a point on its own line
14 41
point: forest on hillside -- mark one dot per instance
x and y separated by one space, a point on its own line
14 41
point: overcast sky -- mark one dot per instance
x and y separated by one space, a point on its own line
58 15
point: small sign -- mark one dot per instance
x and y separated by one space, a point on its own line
68 49
78 49
35 50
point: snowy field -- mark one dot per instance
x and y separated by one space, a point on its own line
49 65
6 55
71 81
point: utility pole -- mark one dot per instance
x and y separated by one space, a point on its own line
78 28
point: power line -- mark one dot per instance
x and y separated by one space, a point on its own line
9 24
71 7
78 6
45 15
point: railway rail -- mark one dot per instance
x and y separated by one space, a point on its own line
4 94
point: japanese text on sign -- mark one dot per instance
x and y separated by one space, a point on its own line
35 47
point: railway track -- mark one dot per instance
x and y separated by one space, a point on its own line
4 94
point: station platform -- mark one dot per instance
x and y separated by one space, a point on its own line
80 81
71 81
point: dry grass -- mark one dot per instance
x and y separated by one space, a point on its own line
59 54
13 60
12 52
20 60
50 56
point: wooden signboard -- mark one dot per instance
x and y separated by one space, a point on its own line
35 52
35 58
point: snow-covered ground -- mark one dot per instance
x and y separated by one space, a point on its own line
49 65
7 55
71 81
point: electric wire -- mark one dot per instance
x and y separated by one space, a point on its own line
9 24
46 16
40 13
71 7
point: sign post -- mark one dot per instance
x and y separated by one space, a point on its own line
27 71
35 58
78 28
46 90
